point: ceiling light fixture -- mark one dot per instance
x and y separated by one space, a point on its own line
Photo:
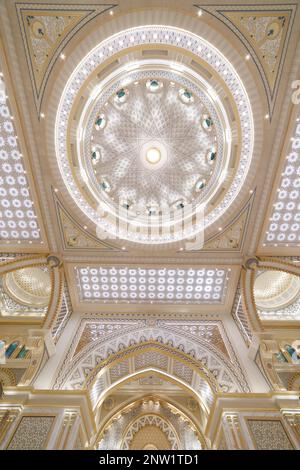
153 155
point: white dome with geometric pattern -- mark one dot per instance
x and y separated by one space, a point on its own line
275 289
151 150
29 286
159 113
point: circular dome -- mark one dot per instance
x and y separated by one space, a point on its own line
144 147
150 131
29 286
275 289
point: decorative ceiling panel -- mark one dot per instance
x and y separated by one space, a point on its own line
284 223
265 31
143 284
88 197
119 370
46 30
232 237
93 330
96 339
210 332
151 359
18 216
74 370
75 236
97 330
176 119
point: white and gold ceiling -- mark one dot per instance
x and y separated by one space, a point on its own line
120 126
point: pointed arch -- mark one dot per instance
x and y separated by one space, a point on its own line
76 369
136 375
151 346
124 408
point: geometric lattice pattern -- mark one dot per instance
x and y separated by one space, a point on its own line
227 373
18 220
183 372
147 116
149 437
150 421
151 359
284 226
269 435
152 284
31 433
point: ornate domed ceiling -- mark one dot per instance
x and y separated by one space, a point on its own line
149 224
154 143
275 289
29 286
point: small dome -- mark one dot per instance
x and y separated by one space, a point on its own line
29 286
275 289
